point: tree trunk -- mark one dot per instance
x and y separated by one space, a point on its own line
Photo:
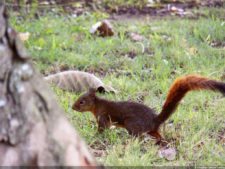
33 129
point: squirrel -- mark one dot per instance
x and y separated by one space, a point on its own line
138 118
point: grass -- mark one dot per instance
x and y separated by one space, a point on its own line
174 47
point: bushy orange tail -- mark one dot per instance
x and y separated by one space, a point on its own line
180 87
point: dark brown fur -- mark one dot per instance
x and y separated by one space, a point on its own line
138 118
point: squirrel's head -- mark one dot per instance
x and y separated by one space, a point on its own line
85 102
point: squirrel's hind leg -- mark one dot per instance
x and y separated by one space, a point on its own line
159 139
156 135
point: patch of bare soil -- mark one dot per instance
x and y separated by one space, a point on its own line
98 71
55 68
166 8
130 54
75 8
218 44
98 148
221 136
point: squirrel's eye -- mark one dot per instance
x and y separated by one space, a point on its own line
82 102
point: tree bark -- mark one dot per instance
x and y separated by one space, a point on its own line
33 129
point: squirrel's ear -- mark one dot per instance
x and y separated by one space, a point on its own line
92 91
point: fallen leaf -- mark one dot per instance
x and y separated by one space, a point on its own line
103 29
176 9
167 38
24 36
193 51
167 153
198 145
77 81
136 37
